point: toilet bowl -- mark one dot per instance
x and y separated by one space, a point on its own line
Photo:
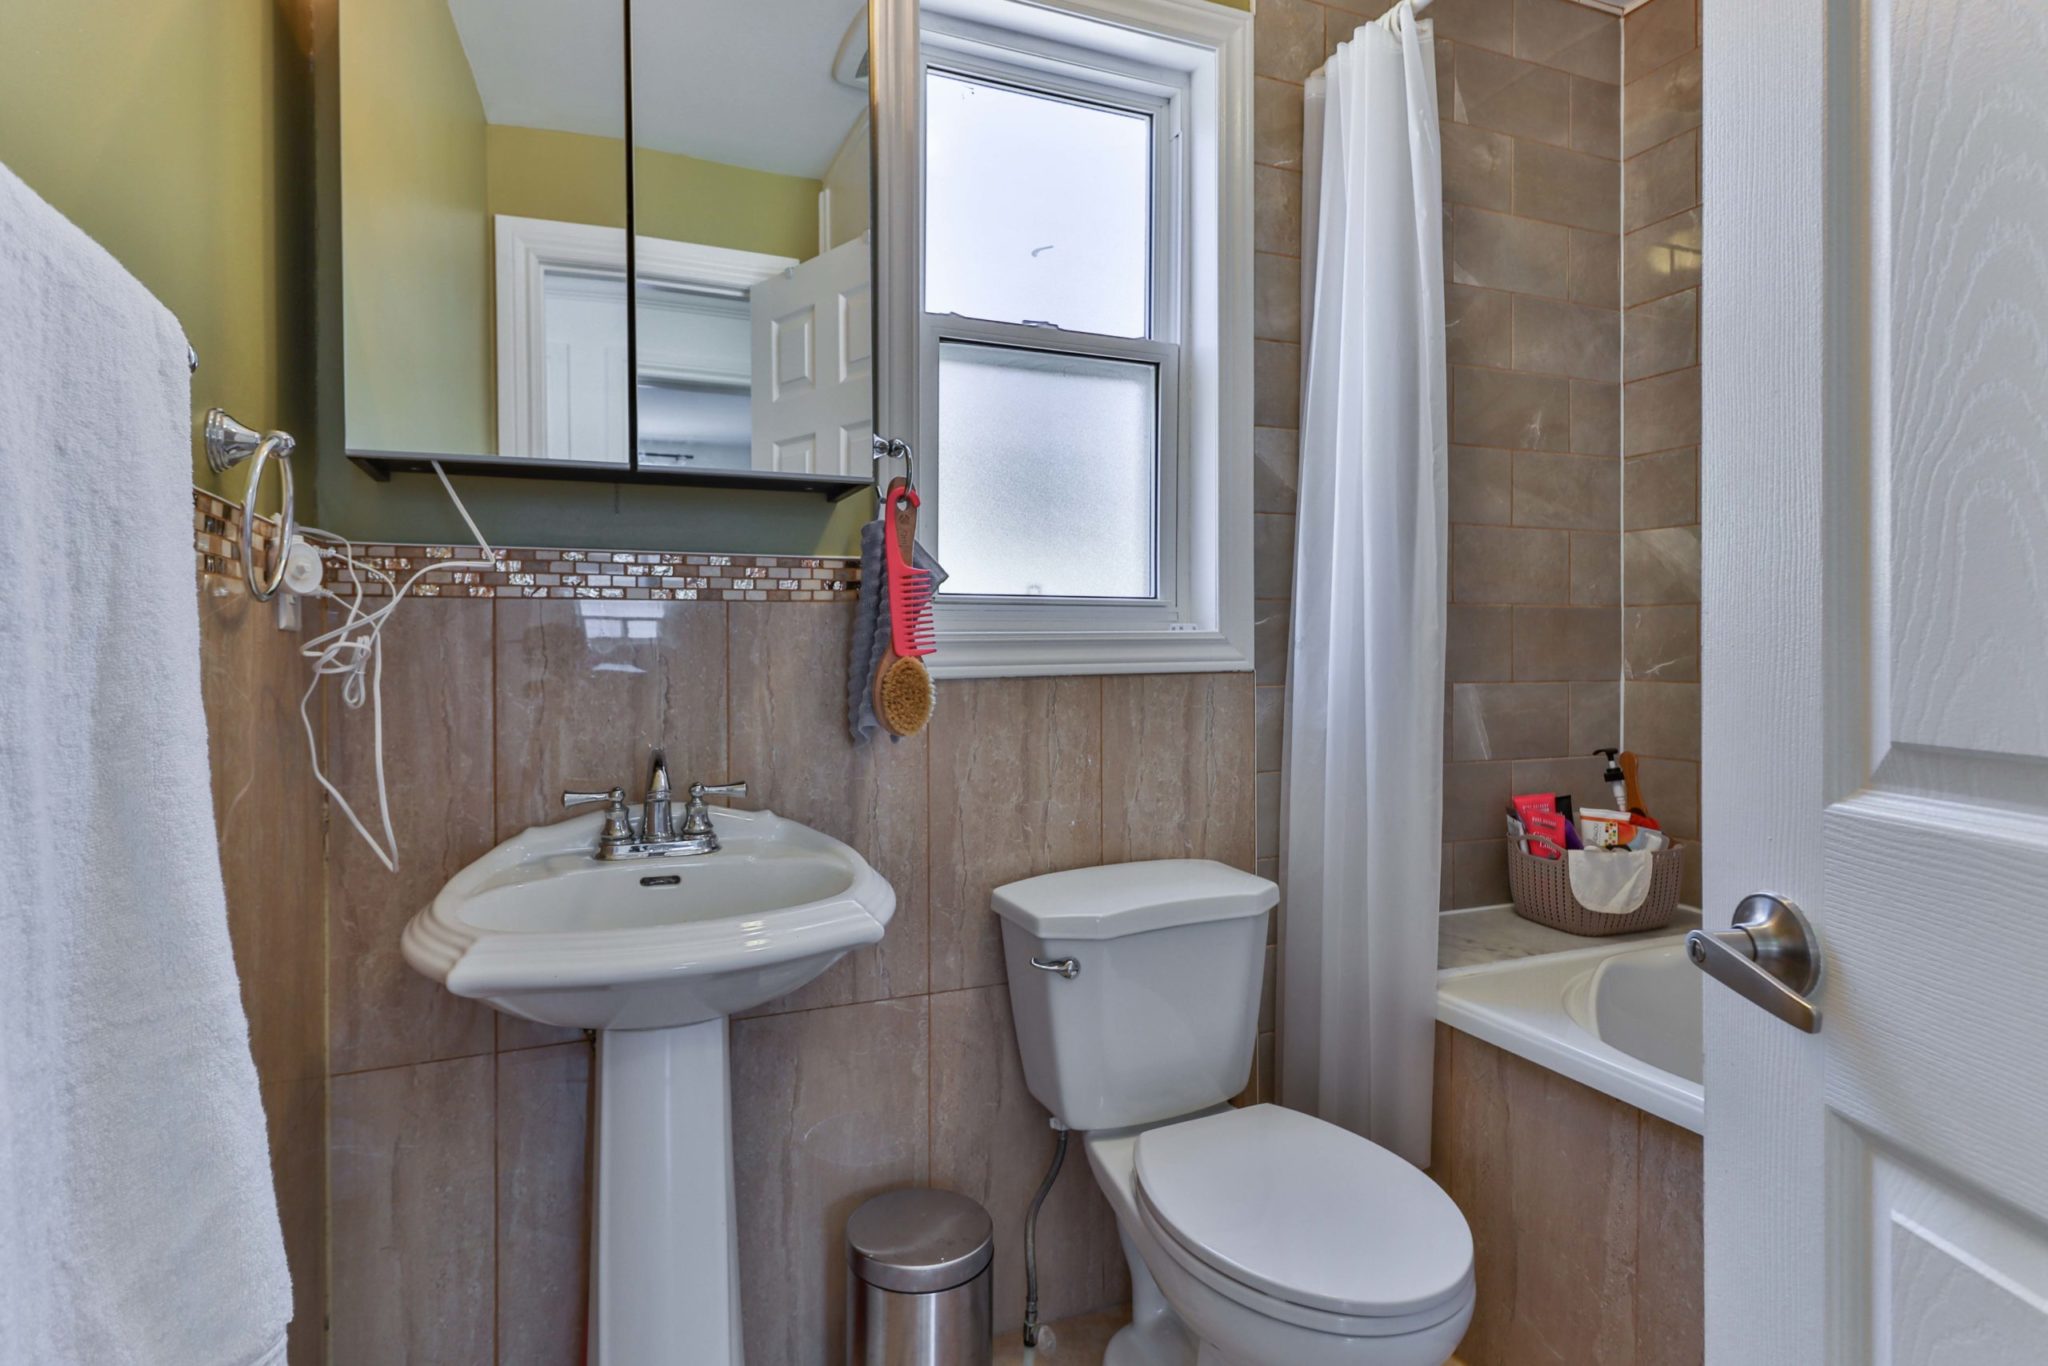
1257 1236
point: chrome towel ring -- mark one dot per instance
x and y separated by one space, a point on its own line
228 444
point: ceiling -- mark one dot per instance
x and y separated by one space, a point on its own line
744 82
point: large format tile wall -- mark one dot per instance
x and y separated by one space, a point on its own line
459 1139
1661 410
267 811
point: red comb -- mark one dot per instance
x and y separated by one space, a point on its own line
911 630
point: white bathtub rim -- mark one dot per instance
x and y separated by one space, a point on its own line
1518 1005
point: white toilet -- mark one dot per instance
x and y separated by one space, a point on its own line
1256 1237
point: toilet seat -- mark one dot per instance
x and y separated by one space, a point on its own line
1305 1222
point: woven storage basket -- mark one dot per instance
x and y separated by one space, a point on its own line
1543 893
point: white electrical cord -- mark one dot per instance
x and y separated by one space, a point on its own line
351 653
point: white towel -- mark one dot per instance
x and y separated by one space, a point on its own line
137 1220
1609 881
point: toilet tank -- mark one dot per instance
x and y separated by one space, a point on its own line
1161 1015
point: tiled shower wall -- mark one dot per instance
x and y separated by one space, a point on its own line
459 1143
1568 201
1661 410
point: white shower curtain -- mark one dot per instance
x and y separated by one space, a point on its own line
1365 683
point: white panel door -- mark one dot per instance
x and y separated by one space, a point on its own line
813 360
1875 467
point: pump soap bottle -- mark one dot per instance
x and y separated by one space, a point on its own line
1616 780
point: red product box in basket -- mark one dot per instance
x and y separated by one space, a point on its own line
1539 815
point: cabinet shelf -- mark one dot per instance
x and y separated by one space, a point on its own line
381 465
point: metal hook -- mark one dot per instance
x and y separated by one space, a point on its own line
228 444
894 448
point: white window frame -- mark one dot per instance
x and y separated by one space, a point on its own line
1188 63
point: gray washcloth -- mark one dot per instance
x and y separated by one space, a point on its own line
871 626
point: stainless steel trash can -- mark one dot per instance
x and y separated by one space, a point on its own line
919 1281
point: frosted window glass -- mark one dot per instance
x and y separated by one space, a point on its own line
1037 210
1050 473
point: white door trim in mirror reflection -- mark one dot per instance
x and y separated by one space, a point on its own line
527 250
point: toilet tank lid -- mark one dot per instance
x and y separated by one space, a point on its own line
1130 898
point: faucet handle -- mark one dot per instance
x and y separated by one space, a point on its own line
618 827
697 817
699 791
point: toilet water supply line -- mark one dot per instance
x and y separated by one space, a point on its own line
1032 1330
351 653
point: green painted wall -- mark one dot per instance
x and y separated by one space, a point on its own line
576 178
417 230
178 134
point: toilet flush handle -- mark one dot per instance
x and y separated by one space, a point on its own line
1069 968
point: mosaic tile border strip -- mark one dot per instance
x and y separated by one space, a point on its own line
554 572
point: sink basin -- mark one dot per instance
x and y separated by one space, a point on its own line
541 928
654 954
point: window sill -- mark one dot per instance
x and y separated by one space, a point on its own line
1056 653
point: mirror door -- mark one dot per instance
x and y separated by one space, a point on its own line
753 333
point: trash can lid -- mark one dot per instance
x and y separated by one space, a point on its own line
919 1241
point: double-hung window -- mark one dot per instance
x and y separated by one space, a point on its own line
1084 336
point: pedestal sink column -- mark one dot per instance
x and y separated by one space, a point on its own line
665 1247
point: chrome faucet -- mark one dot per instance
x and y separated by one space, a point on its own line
654 834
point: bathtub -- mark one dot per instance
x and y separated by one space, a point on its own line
1624 1020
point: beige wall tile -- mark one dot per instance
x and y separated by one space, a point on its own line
1661 259
1269 710
1016 791
1496 251
1593 269
587 691
1596 417
1663 565
1287 39
1596 569
1662 489
1277 114
1664 720
1269 640
1276 462
1581 492
1558 185
1662 335
1567 643
1482 485
1479 873
1273 555
267 817
1504 409
1659 32
1480 23
1475 800
1509 564
789 741
1557 338
1596 716
439 772
991 1142
295 1113
1572 37
1510 96
1662 643
543 1219
1660 182
1478 327
1507 720
1177 766
1663 412
1478 167
1662 104
840 1098
1670 1241
1266 801
410 1171
1276 210
1276 297
1596 117
1481 644
1671 793
1276 384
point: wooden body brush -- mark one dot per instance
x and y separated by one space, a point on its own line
904 693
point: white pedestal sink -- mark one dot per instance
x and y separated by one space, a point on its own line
654 954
